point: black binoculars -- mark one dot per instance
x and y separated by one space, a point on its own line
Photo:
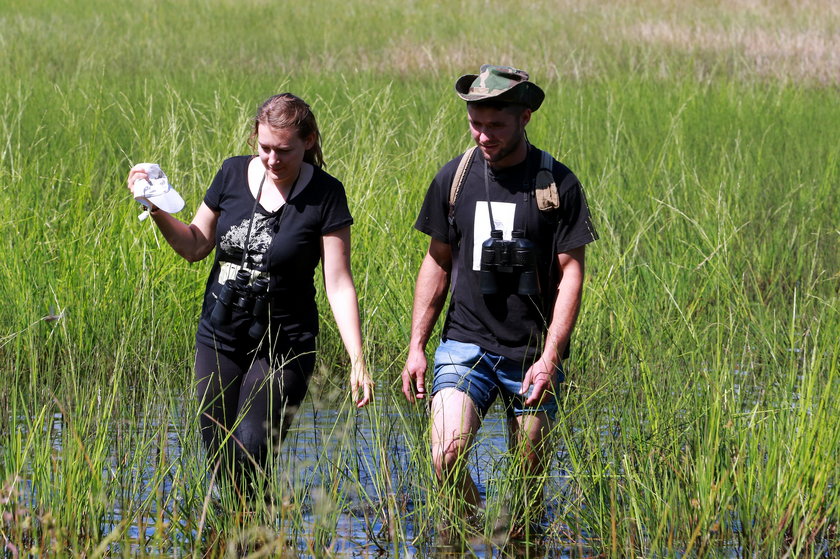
515 259
246 298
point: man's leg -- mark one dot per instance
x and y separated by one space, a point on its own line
529 443
528 437
455 422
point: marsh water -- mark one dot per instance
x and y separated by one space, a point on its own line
318 440
327 447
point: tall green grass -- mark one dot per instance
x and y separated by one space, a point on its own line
698 417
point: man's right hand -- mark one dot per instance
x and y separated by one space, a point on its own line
429 297
414 376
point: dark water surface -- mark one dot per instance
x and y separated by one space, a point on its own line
323 445
328 436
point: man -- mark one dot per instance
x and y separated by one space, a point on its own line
508 324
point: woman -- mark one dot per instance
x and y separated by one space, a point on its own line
272 218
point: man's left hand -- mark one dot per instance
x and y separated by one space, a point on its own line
543 376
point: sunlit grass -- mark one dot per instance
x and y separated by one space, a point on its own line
699 417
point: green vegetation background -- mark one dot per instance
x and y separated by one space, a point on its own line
705 134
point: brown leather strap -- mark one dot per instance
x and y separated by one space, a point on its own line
459 178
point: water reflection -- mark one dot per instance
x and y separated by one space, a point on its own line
323 446
362 531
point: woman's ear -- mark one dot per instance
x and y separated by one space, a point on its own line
309 141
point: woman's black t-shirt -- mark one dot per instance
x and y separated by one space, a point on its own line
284 247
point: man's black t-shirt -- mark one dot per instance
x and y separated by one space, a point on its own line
505 323
284 246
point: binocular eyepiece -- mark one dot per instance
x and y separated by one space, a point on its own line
246 298
516 259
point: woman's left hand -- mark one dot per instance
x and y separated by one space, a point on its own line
361 385
341 293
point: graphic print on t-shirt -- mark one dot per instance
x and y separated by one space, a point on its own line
504 214
234 240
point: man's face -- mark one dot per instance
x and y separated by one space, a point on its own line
499 134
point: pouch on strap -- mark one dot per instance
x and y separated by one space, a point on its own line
546 189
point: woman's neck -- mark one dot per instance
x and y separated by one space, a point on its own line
284 187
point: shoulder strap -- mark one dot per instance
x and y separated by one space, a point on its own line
458 180
546 187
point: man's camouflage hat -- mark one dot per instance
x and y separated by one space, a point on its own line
501 83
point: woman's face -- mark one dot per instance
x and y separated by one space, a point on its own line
281 151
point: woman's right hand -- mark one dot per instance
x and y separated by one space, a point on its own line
136 172
194 241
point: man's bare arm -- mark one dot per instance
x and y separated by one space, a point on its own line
543 373
429 298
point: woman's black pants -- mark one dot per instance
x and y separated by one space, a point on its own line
248 400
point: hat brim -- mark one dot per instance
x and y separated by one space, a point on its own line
161 195
462 86
528 94
170 202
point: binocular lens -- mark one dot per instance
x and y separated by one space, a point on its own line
247 299
515 259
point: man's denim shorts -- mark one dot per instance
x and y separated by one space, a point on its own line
483 376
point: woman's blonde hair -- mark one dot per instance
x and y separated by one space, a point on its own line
285 110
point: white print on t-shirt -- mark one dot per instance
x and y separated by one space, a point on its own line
503 216
227 270
234 239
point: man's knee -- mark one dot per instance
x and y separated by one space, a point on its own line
447 456
454 424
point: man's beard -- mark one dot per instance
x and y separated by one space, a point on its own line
504 151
